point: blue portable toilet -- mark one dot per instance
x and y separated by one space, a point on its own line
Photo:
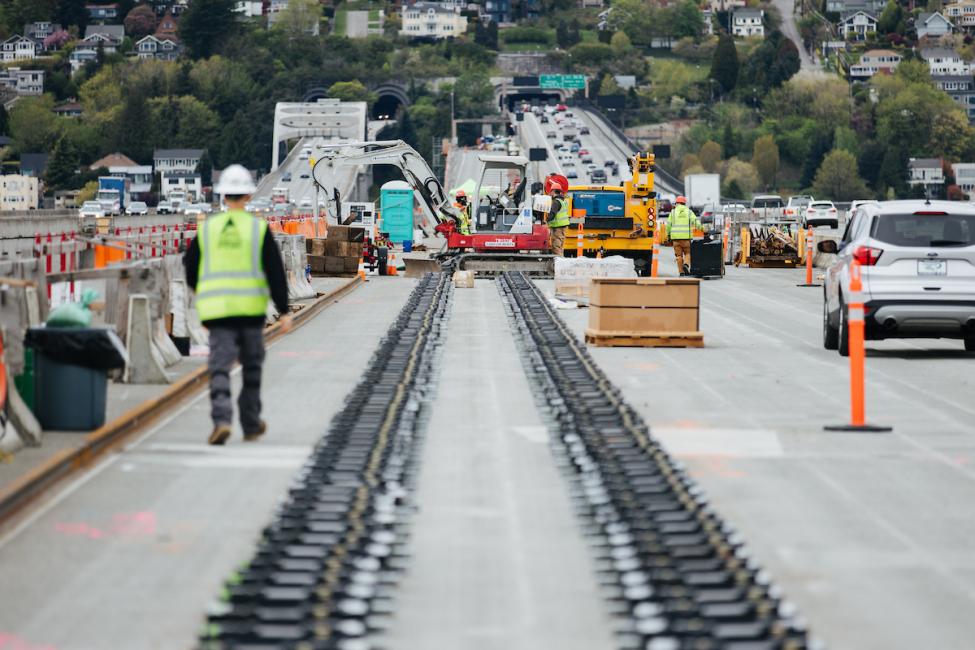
396 209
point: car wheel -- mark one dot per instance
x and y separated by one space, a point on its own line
831 335
970 344
844 332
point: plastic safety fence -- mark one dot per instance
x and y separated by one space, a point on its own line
680 577
324 564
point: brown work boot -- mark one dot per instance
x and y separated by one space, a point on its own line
254 435
220 434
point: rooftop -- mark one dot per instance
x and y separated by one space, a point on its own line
114 160
177 153
916 163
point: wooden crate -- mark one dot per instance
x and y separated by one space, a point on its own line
622 339
644 305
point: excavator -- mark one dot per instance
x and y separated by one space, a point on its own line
505 232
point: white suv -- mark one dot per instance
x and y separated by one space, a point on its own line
918 267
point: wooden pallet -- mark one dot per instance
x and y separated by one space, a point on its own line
606 339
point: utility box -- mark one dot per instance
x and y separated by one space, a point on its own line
396 207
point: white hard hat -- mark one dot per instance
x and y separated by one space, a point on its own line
236 181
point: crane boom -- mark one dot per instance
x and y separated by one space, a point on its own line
434 199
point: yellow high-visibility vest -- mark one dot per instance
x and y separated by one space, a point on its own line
231 277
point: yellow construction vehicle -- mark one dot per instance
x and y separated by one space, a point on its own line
616 220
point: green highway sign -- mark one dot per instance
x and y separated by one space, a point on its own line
562 81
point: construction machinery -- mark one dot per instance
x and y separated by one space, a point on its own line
504 235
617 220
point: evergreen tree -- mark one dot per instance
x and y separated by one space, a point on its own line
235 147
4 121
562 35
724 65
133 122
205 168
63 165
820 146
206 24
73 13
729 141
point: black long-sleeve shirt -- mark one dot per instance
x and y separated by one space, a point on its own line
273 270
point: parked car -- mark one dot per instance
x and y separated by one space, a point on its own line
137 207
91 210
917 264
821 213
164 207
856 204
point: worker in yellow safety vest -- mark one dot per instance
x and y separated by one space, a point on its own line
464 227
556 186
234 267
680 230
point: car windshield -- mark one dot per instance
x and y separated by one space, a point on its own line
767 202
92 205
924 229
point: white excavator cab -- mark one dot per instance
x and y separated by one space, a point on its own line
504 195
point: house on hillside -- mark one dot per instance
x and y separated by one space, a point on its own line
855 26
18 48
176 160
725 5
964 177
960 88
498 11
111 35
168 28
926 172
875 62
22 82
189 182
150 47
106 38
748 22
250 8
932 25
102 13
69 109
18 192
844 7
942 61
40 30
432 20
961 14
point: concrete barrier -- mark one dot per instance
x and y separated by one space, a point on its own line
145 365
295 258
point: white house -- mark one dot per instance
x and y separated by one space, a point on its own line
18 48
748 22
926 172
167 161
23 82
189 182
961 14
40 30
161 49
250 8
855 26
18 193
932 25
964 177
725 5
873 62
942 61
432 20
139 175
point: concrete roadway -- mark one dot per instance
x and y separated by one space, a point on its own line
870 534
130 554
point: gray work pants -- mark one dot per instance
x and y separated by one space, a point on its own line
227 345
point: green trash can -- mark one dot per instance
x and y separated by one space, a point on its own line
71 367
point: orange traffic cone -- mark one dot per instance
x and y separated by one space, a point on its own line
362 269
391 263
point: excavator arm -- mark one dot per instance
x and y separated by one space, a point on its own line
436 204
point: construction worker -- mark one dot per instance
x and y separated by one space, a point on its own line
680 230
234 265
556 186
460 202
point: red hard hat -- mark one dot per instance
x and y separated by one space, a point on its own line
681 199
460 193
556 181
